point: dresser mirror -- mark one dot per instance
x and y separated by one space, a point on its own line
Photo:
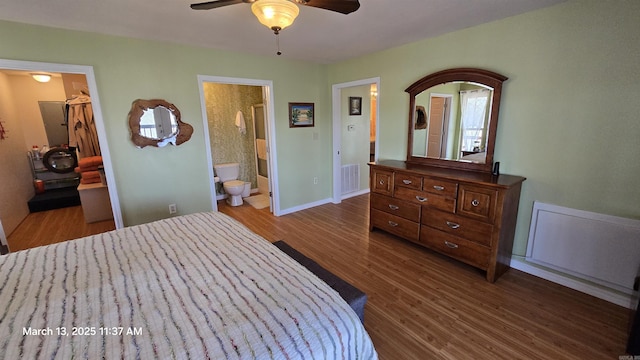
453 119
157 123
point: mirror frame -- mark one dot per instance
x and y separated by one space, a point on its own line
139 106
478 76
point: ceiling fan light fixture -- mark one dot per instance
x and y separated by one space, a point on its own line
275 14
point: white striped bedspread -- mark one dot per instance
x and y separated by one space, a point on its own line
198 286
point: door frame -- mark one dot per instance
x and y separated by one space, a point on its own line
265 123
87 71
336 94
267 100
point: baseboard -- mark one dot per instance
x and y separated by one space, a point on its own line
355 193
610 295
291 210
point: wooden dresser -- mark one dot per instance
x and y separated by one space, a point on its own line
467 215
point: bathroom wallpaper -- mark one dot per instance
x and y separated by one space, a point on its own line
223 101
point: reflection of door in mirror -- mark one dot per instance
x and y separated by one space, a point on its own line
436 142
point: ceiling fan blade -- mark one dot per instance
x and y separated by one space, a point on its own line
341 6
214 4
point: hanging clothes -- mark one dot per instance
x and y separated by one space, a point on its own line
82 127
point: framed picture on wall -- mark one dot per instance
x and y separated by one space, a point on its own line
301 115
355 105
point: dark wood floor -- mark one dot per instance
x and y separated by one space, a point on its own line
422 305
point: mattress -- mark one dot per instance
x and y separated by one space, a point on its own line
196 286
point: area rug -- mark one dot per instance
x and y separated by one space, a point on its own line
260 201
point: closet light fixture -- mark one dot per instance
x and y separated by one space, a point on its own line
43 78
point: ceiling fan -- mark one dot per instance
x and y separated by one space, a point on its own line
278 14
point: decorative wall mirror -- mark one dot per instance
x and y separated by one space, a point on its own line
157 123
453 118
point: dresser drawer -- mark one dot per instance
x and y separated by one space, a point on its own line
468 229
467 251
477 202
395 224
408 180
382 181
397 207
441 187
425 198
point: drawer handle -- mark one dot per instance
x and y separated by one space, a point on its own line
381 182
421 199
453 225
438 187
475 202
451 245
406 182
394 224
393 207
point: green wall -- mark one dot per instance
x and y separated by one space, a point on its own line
127 69
569 120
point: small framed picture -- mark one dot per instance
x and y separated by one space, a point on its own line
300 115
355 105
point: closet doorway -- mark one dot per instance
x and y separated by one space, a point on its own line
230 109
18 183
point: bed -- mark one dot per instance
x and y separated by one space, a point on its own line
479 157
194 286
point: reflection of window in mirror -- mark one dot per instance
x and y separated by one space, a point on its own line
474 113
148 125
158 123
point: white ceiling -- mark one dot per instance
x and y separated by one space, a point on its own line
317 35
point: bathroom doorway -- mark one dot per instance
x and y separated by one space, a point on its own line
239 128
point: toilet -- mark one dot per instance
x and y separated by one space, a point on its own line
228 174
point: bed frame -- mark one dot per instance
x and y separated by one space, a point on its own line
352 295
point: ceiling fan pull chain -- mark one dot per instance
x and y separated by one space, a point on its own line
278 44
